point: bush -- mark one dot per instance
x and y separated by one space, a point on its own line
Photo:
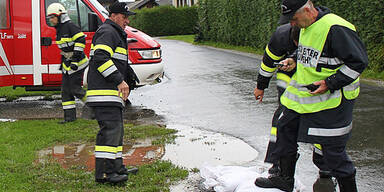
370 26
251 22
238 22
165 20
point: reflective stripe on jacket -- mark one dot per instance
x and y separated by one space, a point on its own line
108 66
279 47
71 40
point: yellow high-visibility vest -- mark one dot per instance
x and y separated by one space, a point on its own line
311 44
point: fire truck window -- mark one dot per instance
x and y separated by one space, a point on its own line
84 10
70 6
4 14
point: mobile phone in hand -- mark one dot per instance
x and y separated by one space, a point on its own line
278 64
312 87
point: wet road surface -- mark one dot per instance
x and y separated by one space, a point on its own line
212 90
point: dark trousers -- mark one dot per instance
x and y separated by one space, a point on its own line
71 88
108 139
110 121
334 154
272 155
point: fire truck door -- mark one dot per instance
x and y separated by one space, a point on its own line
6 41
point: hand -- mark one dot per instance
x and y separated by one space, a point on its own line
123 90
322 87
74 67
259 94
289 64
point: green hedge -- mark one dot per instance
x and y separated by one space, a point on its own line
251 22
368 17
165 20
238 22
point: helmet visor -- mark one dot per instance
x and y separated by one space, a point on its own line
51 16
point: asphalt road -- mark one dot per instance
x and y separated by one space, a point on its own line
212 89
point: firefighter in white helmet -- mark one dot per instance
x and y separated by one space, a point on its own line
71 42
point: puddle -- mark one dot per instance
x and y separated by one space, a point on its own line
33 98
30 98
194 147
82 155
7 120
191 149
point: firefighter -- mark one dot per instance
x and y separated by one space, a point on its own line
282 44
110 79
71 42
330 59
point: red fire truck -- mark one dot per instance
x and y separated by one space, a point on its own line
29 56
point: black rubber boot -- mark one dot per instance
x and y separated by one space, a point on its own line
69 116
274 169
347 184
125 171
105 172
64 121
324 185
122 170
284 180
100 169
115 178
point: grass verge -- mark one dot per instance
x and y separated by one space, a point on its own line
21 140
11 94
369 74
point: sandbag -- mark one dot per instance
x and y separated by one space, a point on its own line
236 179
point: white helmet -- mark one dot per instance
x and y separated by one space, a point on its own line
55 9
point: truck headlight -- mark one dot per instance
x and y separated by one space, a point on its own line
150 54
